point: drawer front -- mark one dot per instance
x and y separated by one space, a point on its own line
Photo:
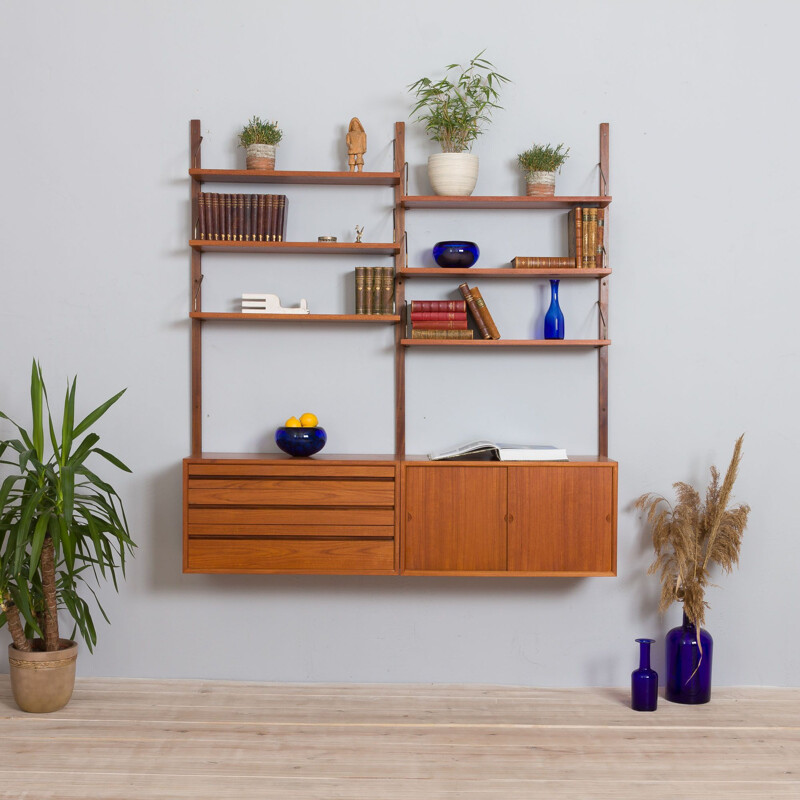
290 555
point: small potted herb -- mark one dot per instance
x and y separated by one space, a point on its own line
540 163
260 140
455 110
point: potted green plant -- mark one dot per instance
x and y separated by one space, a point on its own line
60 527
260 140
455 110
540 163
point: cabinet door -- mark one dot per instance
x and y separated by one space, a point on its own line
454 519
562 519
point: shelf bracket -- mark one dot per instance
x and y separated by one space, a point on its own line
196 291
197 150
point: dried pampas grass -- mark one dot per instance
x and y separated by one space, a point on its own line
691 535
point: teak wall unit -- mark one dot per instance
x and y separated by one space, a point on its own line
396 514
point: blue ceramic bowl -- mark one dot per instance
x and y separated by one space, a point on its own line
301 441
456 255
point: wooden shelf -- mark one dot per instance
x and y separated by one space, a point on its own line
487 202
240 317
311 178
318 248
551 343
502 272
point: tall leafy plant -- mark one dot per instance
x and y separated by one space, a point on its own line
60 524
457 107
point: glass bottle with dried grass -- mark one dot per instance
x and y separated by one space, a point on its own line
689 538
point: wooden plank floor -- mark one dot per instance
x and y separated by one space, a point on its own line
143 739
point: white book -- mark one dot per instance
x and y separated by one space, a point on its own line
484 450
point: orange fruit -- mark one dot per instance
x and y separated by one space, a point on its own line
292 422
308 420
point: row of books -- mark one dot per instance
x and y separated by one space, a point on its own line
242 217
374 290
449 319
585 243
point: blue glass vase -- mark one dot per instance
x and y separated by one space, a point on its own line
554 319
688 669
644 681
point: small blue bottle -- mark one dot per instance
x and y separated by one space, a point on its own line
644 681
554 319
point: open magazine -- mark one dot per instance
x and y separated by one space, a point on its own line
490 451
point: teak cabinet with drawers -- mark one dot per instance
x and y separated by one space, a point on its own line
395 514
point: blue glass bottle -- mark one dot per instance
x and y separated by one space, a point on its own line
644 681
688 670
554 319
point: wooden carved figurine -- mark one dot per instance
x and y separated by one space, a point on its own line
359 231
356 145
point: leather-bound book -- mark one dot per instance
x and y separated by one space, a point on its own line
201 216
601 235
361 303
262 207
591 253
369 290
254 218
439 325
586 254
543 262
238 218
387 290
438 305
469 298
418 333
377 290
269 230
229 201
280 228
422 316
480 304
215 216
575 236
246 217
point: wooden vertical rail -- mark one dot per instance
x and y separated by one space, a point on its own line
399 291
195 299
602 352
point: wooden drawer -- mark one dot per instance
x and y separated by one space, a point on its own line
290 555
287 516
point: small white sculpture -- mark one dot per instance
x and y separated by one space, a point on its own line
359 232
269 304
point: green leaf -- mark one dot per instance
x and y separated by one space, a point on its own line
36 408
67 433
28 510
113 459
90 419
38 540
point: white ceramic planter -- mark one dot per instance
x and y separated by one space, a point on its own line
261 156
541 184
453 173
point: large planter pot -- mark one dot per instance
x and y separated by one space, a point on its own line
42 681
541 184
261 156
688 667
453 174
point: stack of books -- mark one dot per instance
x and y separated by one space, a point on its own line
242 217
585 243
374 290
439 319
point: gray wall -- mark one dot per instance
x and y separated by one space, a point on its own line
96 100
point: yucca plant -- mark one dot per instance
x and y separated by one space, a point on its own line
694 534
60 524
259 132
455 109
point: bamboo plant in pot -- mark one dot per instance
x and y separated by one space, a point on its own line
455 110
61 526
260 140
540 164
